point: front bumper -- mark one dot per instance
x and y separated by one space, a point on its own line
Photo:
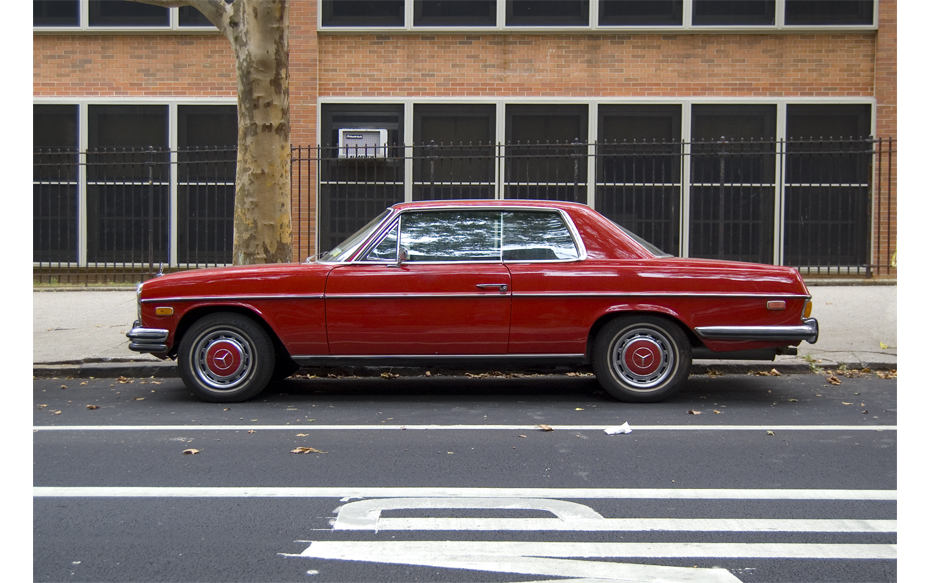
809 330
153 340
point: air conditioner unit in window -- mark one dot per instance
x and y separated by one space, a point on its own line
362 143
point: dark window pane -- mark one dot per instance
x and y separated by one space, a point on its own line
56 13
640 13
732 182
639 170
207 137
827 170
451 236
547 12
122 13
801 12
55 183
454 12
546 155
188 16
454 158
363 12
735 12
54 126
536 236
127 183
354 189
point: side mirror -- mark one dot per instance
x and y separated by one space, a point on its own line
402 257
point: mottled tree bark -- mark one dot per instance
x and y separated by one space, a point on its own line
257 30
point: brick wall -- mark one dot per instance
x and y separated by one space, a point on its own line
132 65
560 65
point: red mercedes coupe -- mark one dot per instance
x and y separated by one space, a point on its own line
499 284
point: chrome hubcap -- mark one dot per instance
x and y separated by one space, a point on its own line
223 359
642 358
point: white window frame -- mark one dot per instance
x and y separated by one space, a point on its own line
172 104
594 6
84 26
781 105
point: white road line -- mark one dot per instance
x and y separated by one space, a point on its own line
637 525
460 427
395 549
350 492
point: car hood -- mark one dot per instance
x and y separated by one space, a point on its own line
266 279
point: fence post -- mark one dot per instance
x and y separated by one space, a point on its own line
720 213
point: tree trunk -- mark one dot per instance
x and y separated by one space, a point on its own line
262 220
257 30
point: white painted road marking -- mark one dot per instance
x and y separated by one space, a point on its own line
350 492
878 428
560 559
570 516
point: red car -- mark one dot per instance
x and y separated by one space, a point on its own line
476 283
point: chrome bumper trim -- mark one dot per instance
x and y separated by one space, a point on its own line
809 330
152 340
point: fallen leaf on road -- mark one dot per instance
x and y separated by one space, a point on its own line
190 451
306 450
693 412
845 403
888 374
41 406
250 431
770 433
302 434
544 427
833 380
93 407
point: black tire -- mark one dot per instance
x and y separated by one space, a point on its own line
226 358
641 359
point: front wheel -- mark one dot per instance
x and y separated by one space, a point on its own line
226 358
641 358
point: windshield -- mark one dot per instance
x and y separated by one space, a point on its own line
649 246
344 250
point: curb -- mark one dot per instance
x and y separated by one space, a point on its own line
170 369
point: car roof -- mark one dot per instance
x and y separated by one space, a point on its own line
510 203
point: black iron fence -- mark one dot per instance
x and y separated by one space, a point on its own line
826 206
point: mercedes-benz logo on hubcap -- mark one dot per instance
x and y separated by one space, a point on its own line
222 359
643 357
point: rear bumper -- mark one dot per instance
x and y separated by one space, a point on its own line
809 330
153 340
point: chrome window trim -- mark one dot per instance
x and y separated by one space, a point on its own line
383 230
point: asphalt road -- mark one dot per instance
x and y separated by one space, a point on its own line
738 478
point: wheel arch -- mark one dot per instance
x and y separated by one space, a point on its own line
198 312
608 317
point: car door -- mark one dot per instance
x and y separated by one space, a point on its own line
433 285
545 256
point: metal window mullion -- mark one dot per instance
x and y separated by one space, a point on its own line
593 113
408 142
82 184
779 15
685 193
781 131
500 138
686 13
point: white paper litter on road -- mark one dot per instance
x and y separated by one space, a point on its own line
625 428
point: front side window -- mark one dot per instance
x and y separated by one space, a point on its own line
537 236
457 235
386 250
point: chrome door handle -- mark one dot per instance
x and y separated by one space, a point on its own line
500 286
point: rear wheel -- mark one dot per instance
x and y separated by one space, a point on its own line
641 358
226 357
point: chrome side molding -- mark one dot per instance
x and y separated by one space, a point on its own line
809 330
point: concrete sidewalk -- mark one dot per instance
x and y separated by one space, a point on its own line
77 332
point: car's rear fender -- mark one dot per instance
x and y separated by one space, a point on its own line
659 311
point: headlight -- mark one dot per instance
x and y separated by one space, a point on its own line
139 302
